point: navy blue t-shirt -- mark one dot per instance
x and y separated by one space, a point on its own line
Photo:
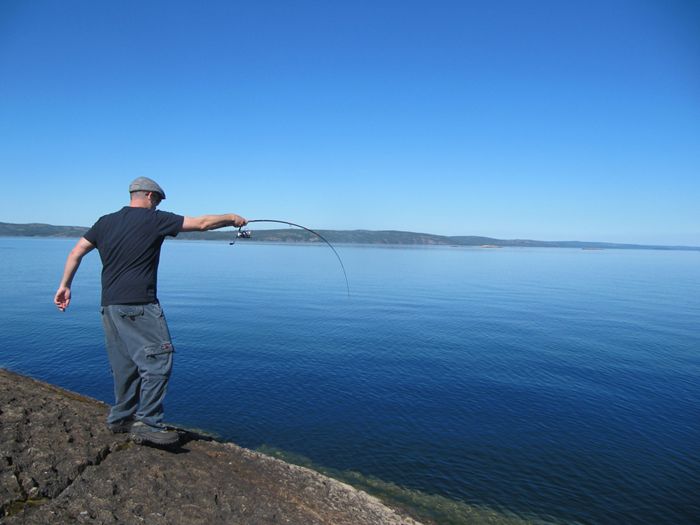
129 242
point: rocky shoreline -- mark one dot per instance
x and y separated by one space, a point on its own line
59 464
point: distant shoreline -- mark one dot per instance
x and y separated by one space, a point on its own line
351 237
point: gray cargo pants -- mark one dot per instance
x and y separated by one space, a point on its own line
141 356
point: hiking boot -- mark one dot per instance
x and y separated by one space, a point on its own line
142 433
120 427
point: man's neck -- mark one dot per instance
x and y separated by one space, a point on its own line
140 204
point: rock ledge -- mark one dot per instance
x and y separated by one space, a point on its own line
59 464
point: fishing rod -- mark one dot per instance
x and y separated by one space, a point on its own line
247 234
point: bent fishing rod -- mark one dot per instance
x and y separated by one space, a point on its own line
247 234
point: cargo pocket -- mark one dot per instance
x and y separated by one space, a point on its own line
159 359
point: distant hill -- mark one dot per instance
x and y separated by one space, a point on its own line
382 237
39 230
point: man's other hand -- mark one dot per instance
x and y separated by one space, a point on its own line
62 298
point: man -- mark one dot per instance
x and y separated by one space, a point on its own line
136 333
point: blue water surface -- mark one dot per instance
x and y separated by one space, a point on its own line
554 383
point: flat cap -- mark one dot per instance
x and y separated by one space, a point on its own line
146 184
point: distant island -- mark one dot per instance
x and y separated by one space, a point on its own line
367 237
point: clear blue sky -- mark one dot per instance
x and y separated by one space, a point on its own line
512 119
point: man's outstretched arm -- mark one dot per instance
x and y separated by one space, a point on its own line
62 297
212 222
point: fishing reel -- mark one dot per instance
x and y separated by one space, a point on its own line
241 234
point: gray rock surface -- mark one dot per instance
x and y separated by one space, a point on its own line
59 464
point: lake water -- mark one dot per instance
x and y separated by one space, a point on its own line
557 384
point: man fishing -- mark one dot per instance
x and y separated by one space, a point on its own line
137 338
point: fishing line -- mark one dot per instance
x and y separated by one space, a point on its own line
245 234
